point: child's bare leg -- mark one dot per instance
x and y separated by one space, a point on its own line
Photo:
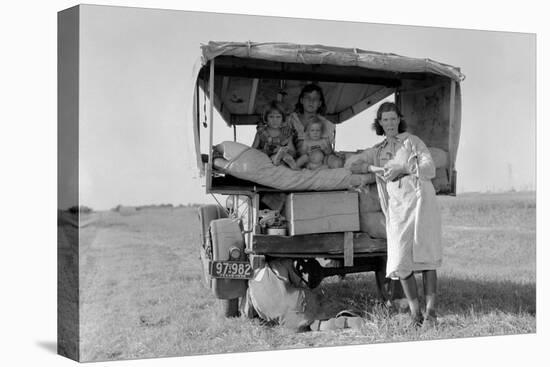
290 161
411 292
276 158
429 280
302 160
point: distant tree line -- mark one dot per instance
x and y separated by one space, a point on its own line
82 209
120 207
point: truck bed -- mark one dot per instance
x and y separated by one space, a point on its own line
317 245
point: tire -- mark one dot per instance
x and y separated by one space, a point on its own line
225 234
229 307
313 272
207 213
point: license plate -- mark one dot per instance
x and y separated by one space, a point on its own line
231 269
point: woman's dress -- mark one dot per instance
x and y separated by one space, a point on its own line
413 220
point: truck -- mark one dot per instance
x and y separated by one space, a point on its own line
237 79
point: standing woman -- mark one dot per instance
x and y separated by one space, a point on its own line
407 197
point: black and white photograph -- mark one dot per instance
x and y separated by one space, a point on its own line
230 182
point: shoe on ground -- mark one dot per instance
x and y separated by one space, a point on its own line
430 320
416 321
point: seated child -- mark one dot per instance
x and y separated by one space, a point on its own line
316 158
313 148
274 136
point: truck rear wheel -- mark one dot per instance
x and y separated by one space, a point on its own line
207 213
226 235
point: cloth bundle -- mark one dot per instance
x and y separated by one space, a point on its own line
253 165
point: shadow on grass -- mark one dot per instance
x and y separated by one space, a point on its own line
464 295
455 295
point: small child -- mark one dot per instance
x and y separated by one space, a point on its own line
314 148
274 137
316 158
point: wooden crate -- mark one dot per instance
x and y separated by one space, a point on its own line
322 212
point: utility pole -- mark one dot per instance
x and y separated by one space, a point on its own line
510 177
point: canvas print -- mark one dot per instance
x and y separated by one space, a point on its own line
269 183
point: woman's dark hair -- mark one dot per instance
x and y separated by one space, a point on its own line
308 88
388 107
273 106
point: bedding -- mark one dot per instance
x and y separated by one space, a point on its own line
249 164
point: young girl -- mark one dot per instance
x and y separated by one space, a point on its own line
310 107
274 137
314 149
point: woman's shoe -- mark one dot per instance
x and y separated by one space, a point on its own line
416 321
430 321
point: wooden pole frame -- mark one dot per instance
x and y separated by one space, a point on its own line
452 142
211 130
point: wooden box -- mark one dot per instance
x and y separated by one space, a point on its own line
321 212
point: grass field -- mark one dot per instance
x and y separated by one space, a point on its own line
142 295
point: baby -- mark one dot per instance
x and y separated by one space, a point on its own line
275 137
316 158
313 148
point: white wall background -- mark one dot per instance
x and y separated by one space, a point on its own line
28 151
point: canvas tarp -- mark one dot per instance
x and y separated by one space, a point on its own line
238 105
319 54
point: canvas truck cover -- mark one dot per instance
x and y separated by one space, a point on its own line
248 75
327 55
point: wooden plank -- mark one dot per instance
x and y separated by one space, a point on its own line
253 212
237 119
321 212
252 97
348 249
309 75
267 69
220 103
253 119
451 124
365 103
211 130
225 85
329 243
452 136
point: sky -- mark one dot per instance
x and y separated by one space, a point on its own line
135 83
